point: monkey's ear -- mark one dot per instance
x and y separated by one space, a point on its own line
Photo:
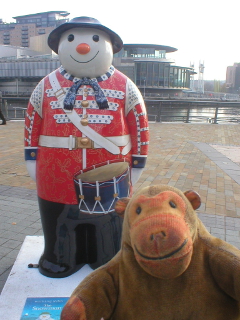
194 198
121 205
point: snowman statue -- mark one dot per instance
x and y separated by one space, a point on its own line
86 144
45 316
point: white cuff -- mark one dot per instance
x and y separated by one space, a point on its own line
135 174
31 168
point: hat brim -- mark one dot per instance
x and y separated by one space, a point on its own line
55 35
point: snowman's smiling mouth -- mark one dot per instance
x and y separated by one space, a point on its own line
85 61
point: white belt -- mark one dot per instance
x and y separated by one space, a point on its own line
72 142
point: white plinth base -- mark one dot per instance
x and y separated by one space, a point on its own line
24 282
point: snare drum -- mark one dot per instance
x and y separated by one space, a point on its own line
99 188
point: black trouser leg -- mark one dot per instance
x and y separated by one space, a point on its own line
73 239
108 236
58 222
101 235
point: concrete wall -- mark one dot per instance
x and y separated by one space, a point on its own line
39 44
17 52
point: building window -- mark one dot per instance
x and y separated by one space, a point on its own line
150 74
175 81
31 20
160 54
166 75
155 75
41 31
187 79
161 74
144 53
141 73
25 43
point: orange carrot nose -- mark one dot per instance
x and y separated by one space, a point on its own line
83 48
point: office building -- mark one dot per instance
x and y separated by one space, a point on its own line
18 33
147 65
233 78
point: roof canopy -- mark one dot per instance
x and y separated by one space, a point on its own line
153 46
62 13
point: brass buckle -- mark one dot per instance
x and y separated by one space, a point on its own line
59 92
83 143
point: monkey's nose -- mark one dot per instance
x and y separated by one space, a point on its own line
158 236
83 48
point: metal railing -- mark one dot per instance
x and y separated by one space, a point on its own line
19 111
193 111
15 93
13 113
166 111
208 95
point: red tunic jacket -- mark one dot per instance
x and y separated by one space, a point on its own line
58 160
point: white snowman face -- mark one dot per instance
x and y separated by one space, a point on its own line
85 52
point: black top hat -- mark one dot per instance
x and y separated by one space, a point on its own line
84 22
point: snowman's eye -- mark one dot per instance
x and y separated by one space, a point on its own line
95 38
70 37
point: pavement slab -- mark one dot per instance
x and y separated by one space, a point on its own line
202 157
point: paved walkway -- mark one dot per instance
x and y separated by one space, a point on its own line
202 157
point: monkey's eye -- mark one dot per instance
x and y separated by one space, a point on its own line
172 204
95 38
70 37
138 210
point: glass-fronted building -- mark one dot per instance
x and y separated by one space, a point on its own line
148 67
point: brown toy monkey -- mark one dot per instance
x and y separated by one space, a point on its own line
169 266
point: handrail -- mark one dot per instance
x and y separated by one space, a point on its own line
193 111
167 111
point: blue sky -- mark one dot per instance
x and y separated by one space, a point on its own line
206 31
